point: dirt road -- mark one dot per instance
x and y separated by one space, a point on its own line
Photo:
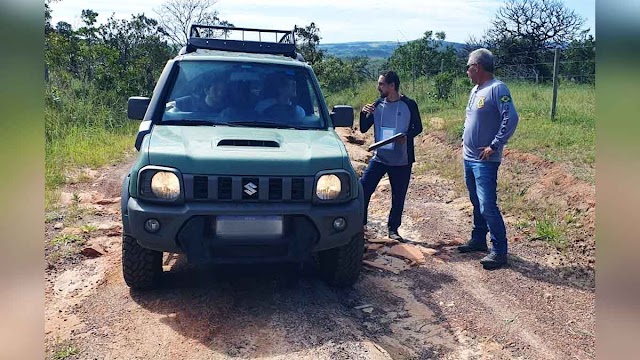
443 307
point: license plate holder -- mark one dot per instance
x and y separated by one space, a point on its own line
249 226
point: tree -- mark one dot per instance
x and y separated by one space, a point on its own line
307 41
133 53
176 16
578 60
62 48
425 56
536 23
523 31
336 74
124 57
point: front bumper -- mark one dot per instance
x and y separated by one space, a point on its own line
189 229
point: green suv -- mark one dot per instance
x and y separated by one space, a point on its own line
239 162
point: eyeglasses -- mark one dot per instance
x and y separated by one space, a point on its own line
470 65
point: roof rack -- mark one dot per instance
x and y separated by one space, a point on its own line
215 37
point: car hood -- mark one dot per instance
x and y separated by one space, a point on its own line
222 150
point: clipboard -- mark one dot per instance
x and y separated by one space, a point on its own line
385 141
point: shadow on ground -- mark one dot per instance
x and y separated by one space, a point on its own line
274 310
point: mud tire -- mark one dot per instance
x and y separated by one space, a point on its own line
341 266
141 267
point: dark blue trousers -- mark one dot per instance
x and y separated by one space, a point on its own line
399 180
482 181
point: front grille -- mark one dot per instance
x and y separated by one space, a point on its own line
225 188
275 189
200 187
248 189
297 189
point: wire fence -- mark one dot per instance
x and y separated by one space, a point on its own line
550 71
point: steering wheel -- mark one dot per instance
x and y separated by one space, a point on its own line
279 111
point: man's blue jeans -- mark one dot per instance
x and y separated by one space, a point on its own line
482 182
398 179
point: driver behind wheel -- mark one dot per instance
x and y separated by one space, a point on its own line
281 106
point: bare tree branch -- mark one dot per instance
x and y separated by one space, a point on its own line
176 16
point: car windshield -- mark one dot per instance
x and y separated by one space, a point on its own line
244 94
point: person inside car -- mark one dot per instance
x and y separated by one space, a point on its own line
281 105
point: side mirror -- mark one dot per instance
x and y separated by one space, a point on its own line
342 116
137 107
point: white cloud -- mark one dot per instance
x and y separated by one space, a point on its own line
339 21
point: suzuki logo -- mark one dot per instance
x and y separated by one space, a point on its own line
250 189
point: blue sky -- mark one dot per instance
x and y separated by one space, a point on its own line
339 21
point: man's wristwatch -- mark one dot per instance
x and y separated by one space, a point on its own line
493 147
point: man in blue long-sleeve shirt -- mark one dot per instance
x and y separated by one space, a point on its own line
393 113
490 121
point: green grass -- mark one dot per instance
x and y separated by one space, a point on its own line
84 147
84 127
550 231
65 239
88 228
64 351
570 137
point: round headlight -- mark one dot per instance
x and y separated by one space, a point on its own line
328 187
165 185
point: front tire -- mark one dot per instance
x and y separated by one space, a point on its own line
340 267
141 267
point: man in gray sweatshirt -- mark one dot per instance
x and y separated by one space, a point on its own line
393 113
490 121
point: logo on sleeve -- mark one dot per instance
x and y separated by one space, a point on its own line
480 102
505 98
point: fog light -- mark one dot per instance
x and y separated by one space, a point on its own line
339 224
152 225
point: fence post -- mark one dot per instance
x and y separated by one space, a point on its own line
556 65
413 75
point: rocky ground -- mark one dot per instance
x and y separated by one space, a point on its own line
420 300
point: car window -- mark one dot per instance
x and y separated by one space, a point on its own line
244 94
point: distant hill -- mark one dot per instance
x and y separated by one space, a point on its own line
371 49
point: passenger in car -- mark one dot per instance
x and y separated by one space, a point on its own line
281 105
241 102
210 97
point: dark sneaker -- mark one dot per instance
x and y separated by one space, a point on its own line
395 236
493 261
473 245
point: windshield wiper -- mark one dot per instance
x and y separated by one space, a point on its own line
187 122
266 124
302 127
